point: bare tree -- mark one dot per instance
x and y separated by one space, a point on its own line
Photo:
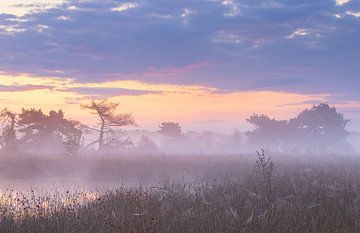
8 137
108 119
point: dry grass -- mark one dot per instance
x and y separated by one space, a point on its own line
286 197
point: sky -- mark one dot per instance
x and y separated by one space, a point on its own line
207 64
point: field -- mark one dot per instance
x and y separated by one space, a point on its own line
163 193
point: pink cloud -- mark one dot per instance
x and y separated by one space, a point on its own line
20 88
162 73
174 71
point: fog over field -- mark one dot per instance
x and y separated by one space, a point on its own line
48 150
57 174
179 116
62 175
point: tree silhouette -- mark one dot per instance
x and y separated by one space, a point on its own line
39 129
8 137
108 120
236 139
145 144
170 129
267 132
320 127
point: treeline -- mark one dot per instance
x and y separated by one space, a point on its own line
320 128
33 130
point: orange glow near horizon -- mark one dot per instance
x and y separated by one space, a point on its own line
187 104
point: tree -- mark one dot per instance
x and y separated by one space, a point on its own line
320 127
8 137
145 144
235 140
267 132
39 129
170 129
108 120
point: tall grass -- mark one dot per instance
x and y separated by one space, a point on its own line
271 196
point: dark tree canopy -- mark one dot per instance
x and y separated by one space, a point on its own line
109 119
8 137
170 129
320 127
267 132
38 129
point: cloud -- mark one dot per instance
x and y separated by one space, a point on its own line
24 7
341 2
298 32
249 44
63 17
186 13
175 71
11 29
309 37
306 102
150 103
233 8
126 6
108 92
353 13
22 88
224 37
72 8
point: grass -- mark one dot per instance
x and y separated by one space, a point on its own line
234 194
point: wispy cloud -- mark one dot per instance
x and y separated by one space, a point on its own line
22 88
341 2
234 7
226 37
63 18
298 32
23 7
11 29
353 13
126 6
107 92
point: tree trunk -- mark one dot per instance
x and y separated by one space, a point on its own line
101 136
10 142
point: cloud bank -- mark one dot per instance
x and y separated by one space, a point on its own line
297 46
